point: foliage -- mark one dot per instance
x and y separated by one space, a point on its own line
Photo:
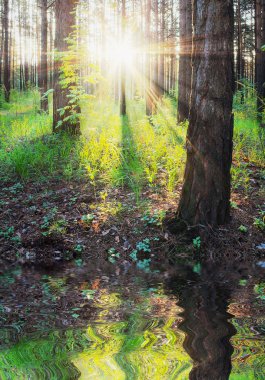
243 229
112 150
260 221
72 62
197 243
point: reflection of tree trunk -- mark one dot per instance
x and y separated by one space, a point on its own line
206 325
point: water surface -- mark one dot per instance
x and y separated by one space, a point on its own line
192 321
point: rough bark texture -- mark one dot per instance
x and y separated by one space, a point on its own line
185 72
205 198
43 82
65 20
260 56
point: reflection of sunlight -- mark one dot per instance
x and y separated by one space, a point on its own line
120 350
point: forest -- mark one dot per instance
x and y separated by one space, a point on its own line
132 189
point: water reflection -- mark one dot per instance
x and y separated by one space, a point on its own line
193 321
205 322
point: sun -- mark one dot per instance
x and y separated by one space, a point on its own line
121 52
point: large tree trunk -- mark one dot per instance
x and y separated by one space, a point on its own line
260 56
205 198
7 77
43 80
185 72
65 20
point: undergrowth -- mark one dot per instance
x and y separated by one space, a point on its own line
131 151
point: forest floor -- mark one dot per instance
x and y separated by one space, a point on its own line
85 240
59 244
50 216
45 225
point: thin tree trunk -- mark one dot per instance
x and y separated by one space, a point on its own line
148 89
123 72
43 80
161 75
7 78
65 20
260 57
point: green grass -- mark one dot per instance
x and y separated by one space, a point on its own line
118 151
131 151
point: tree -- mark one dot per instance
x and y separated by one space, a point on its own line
43 80
65 22
260 56
240 60
184 80
161 72
123 71
7 77
148 90
205 198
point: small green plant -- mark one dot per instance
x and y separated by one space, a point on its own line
58 227
154 219
197 243
88 219
79 248
79 263
133 255
113 255
234 205
48 220
260 221
9 234
144 246
144 265
260 290
243 229
17 188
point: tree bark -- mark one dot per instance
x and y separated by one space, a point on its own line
43 80
205 198
7 73
185 71
65 21
260 56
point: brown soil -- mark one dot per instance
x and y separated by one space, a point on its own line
45 225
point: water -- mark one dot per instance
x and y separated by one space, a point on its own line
191 321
